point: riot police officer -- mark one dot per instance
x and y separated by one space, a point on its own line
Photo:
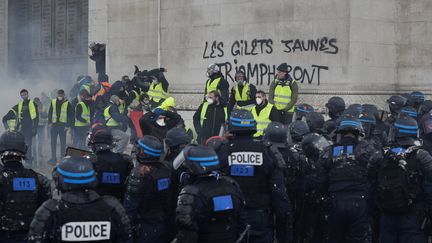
81 215
210 206
260 179
343 169
403 182
395 103
289 157
112 168
296 131
312 221
23 190
335 107
149 191
426 132
315 122
177 138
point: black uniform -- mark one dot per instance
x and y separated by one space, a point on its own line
80 216
344 171
22 192
263 185
148 202
210 209
112 171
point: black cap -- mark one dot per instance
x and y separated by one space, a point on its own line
283 67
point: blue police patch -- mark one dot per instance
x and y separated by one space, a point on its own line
163 184
242 170
24 184
338 150
397 150
222 203
110 178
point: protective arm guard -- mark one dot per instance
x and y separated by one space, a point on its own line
43 225
45 188
281 207
186 216
123 227
133 194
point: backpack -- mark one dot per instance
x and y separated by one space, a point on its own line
397 187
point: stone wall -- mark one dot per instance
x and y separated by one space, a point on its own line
363 50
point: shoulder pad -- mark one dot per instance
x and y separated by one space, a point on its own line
126 157
190 189
51 205
110 200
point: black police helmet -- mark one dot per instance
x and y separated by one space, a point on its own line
74 173
426 124
396 103
409 99
351 124
335 105
177 136
12 141
302 109
405 126
352 111
297 130
314 144
148 149
371 109
425 107
409 111
275 132
315 121
198 160
417 97
368 122
100 138
241 121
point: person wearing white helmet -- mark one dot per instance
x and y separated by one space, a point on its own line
216 82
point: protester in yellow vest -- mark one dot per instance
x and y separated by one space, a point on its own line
24 117
118 122
242 94
210 117
158 89
216 82
283 93
263 113
83 118
60 117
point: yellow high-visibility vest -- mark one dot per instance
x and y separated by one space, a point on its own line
109 121
85 115
213 86
263 119
244 96
282 97
32 110
12 123
204 111
63 111
156 92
